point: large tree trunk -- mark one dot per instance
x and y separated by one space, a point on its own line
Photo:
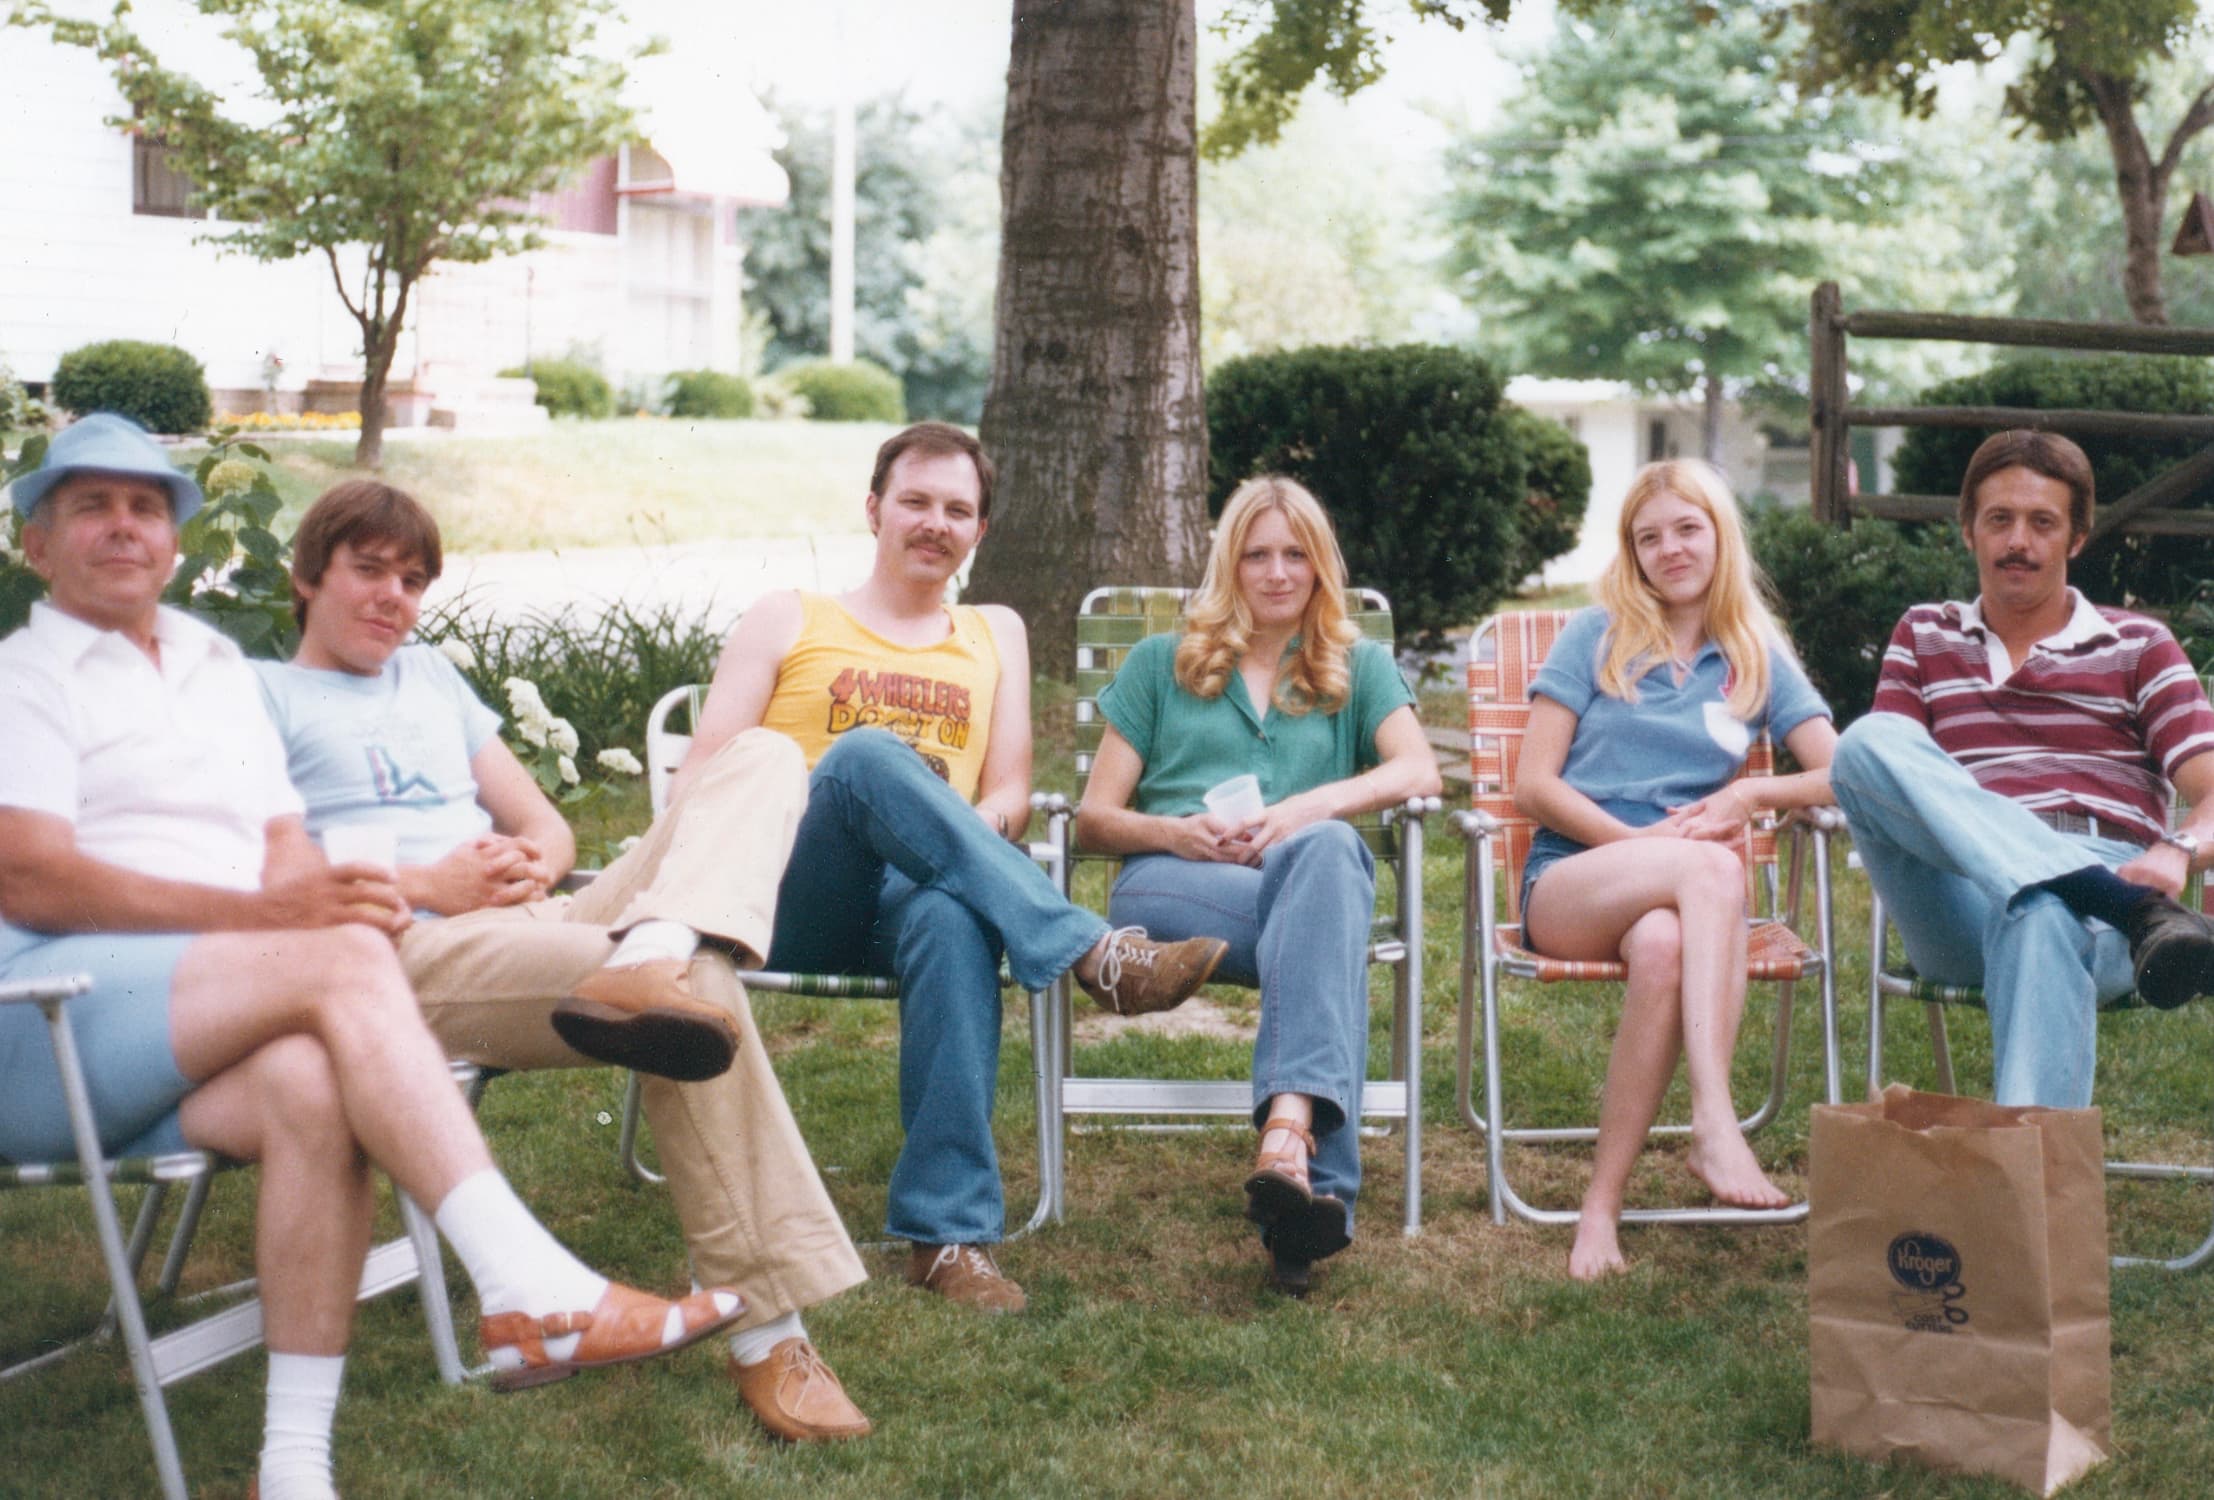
1095 415
2143 185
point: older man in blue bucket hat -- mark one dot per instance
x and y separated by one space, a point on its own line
246 995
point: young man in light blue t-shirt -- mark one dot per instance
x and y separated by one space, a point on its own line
635 970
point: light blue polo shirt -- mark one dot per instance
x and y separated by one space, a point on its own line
391 750
1189 743
1677 742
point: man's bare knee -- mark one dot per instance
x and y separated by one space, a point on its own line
296 1087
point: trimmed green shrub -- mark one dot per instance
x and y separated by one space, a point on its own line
568 387
856 392
2158 570
1842 591
1559 487
708 393
1427 476
159 386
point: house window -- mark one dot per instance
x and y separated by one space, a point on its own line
157 187
1656 440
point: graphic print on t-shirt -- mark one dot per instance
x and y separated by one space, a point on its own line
397 780
923 711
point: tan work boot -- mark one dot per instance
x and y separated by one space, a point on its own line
1131 975
966 1274
646 1018
796 1397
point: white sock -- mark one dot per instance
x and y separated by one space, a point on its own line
516 1265
296 1433
652 939
750 1346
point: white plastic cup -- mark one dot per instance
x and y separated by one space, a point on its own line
1236 801
362 844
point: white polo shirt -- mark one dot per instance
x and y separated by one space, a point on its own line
173 771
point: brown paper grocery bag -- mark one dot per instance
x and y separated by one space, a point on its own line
1957 1285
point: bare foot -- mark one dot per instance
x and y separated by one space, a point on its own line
1728 1168
1596 1254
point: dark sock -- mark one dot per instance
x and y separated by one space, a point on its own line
2096 891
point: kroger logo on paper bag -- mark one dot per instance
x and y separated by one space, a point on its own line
1928 1267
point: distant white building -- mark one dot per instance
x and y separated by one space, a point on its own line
1623 430
642 271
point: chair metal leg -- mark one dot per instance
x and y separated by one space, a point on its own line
1941 1050
121 1273
1407 1011
1042 1050
1877 932
188 1225
2190 1260
633 1096
438 1312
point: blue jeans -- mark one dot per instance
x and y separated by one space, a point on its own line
1298 927
1956 866
893 873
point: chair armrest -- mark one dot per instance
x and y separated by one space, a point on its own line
1828 819
1473 823
43 989
575 880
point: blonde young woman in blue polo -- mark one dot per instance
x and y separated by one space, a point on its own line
1640 718
1269 678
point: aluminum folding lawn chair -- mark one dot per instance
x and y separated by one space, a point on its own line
1504 656
668 737
159 1362
1109 622
1890 980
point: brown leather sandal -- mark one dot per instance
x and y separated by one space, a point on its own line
1279 1186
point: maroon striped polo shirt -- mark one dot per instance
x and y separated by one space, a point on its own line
2094 722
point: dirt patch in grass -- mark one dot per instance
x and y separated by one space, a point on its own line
1197 1016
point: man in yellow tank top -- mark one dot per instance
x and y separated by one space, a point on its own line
915 719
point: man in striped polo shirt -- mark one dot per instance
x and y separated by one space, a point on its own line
2009 794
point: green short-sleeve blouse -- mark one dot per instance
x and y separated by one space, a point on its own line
1189 744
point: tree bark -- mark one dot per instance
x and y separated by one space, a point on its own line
1095 413
2143 186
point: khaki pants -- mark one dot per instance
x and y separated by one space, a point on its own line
754 1211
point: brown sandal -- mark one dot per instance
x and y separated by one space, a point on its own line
1278 1186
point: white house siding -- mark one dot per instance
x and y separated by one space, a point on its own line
78 265
1617 429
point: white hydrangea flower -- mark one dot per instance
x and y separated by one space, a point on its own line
562 735
522 698
458 652
568 770
532 719
620 761
233 476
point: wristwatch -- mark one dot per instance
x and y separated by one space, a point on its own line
2187 842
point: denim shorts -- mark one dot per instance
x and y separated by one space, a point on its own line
1547 849
121 1026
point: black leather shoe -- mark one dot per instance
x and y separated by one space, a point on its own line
2172 948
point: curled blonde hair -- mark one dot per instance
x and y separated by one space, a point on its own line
1738 617
1218 627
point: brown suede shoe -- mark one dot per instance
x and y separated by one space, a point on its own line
1135 976
796 1397
644 1017
966 1274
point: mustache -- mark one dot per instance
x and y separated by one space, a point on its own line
2016 557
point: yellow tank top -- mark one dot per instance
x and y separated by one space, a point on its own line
841 675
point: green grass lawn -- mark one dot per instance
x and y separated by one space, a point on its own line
1152 1363
613 483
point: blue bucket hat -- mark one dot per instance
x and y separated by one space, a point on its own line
106 443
